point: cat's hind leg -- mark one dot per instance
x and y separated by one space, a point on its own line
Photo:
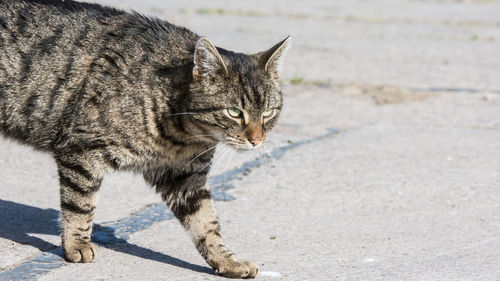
79 183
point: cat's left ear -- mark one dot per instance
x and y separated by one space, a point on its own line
271 59
206 59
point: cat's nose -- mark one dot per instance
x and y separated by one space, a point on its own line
254 135
254 142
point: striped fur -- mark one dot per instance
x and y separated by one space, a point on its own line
105 90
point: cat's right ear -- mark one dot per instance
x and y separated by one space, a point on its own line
271 59
206 59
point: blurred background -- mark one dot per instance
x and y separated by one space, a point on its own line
424 44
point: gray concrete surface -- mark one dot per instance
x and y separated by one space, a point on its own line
385 164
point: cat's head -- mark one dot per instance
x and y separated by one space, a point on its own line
237 96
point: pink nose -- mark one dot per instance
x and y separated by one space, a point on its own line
254 142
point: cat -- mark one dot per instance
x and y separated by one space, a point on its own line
104 90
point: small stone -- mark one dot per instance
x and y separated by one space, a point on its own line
488 97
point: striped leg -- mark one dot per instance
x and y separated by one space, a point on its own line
204 228
188 196
78 199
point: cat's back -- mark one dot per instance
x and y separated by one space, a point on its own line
49 8
49 27
41 39
21 18
46 47
38 37
57 56
61 26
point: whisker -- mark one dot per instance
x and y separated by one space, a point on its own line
199 136
182 113
208 164
209 149
221 155
225 166
264 160
268 154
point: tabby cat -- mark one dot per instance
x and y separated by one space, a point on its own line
105 90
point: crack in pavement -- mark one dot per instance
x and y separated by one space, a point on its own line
114 234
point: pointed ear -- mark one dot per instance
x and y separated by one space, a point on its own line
271 58
206 58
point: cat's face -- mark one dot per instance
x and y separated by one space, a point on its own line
237 97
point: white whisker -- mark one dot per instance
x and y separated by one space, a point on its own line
199 136
208 164
262 162
221 155
209 149
183 113
268 154
225 166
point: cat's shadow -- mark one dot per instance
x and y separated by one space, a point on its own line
17 221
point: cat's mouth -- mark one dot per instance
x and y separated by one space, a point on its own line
244 145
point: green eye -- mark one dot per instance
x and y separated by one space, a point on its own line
268 113
234 112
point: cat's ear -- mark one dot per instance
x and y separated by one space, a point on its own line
271 59
206 58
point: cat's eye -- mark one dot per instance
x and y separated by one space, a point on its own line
268 113
234 112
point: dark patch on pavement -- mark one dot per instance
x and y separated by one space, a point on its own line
116 232
41 264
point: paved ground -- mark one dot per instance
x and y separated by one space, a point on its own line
385 164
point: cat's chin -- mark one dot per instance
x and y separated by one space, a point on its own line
246 147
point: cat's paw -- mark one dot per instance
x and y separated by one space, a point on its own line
238 269
80 252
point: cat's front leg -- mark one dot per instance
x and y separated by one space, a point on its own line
79 184
188 196
204 228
